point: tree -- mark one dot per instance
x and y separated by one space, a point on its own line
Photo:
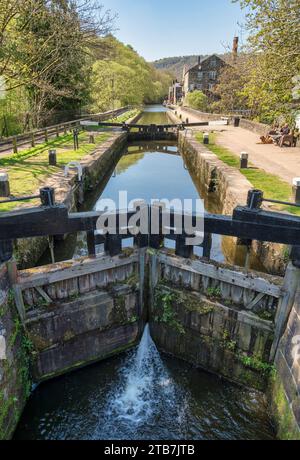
229 90
125 78
274 42
197 100
48 46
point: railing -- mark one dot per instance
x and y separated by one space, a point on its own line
247 223
44 134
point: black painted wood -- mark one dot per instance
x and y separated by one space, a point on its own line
245 224
113 245
207 245
91 243
182 250
6 250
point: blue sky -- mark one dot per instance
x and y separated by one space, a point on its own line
163 28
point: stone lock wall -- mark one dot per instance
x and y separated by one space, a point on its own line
14 361
228 188
285 391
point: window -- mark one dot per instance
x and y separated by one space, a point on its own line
200 75
213 74
213 62
211 86
200 86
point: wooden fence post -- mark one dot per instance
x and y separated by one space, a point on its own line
15 145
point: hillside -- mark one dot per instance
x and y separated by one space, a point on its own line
175 65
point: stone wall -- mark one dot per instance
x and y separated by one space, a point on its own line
229 184
254 126
228 188
285 394
203 116
14 369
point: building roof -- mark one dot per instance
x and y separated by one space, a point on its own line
201 62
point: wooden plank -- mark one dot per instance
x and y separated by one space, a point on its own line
254 302
19 302
235 278
44 295
72 269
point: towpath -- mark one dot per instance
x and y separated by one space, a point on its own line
283 162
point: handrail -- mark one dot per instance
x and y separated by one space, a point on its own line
13 142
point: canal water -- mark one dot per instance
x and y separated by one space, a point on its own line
142 394
153 171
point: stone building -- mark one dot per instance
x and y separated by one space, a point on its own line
175 93
203 76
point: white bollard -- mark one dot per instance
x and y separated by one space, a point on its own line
52 158
206 138
244 160
296 189
4 185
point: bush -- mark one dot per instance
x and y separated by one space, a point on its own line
197 100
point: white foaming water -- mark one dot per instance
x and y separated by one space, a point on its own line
144 396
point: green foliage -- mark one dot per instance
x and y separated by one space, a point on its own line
229 89
164 300
47 50
197 100
125 79
214 293
227 343
274 37
254 362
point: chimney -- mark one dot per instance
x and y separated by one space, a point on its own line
235 48
199 60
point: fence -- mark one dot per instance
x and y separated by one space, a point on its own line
45 134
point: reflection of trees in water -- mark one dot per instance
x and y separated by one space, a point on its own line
127 161
156 118
135 153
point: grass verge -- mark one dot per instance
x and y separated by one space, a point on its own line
29 168
273 187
